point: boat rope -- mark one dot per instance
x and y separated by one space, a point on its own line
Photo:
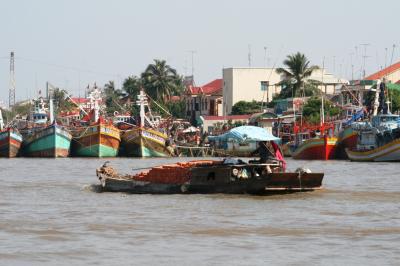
300 179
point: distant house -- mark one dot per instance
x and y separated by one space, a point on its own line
205 100
390 73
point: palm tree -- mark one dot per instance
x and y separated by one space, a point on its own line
160 81
112 96
297 71
132 86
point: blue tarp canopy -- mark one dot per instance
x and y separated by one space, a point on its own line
246 134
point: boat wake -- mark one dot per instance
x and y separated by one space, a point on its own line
93 188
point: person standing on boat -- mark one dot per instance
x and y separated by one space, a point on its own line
264 151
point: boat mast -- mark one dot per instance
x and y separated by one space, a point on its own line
51 107
322 90
376 100
141 102
1 121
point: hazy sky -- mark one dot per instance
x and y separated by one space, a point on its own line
72 43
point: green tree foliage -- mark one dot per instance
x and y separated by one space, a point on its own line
243 107
312 110
112 96
177 109
61 102
132 86
395 99
160 81
296 73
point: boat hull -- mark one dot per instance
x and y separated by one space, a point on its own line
140 142
10 143
347 140
316 149
386 153
52 141
96 141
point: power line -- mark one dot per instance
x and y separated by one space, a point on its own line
72 68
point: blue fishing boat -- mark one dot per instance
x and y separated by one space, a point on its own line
43 137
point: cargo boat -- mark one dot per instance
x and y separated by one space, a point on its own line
204 177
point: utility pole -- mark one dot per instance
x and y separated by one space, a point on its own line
11 92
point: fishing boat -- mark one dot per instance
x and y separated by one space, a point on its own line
10 140
229 176
347 137
378 139
97 137
315 143
146 140
45 138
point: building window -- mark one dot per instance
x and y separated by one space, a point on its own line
264 85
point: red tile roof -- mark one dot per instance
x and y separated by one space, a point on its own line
226 117
175 98
212 87
384 72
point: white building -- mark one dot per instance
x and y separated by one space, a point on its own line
260 84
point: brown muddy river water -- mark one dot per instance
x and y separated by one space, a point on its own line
50 215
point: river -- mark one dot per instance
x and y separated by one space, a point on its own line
51 214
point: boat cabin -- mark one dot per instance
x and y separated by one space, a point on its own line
386 122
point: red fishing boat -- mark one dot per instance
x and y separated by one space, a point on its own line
315 143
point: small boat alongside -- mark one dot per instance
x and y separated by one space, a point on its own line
205 176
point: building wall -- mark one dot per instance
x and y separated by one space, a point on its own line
197 105
244 84
393 77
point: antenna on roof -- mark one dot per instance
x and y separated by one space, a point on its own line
364 58
192 52
265 55
391 59
249 55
